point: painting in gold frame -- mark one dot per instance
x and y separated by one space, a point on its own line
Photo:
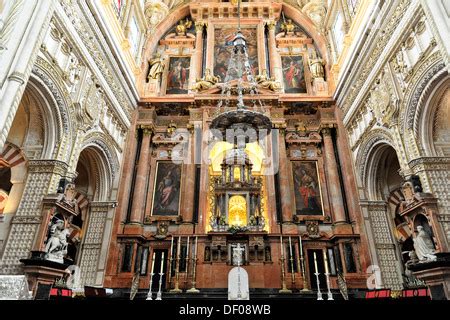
308 196
166 189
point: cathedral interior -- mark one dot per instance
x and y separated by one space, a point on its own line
152 146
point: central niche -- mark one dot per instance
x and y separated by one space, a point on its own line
237 211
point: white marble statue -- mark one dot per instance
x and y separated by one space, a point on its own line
423 246
56 247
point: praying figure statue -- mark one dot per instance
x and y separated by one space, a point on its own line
316 68
205 83
265 82
423 245
156 67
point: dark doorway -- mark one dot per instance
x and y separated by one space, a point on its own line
320 268
159 254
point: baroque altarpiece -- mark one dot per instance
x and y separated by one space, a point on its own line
185 201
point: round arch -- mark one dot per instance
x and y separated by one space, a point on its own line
168 22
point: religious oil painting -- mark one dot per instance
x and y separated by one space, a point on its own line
308 199
178 75
223 46
166 194
293 74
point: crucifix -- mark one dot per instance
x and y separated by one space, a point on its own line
237 257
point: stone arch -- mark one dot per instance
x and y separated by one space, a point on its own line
168 22
376 138
417 98
95 172
433 116
57 101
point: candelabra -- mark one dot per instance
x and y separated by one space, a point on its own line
159 294
283 277
319 293
330 294
305 279
149 294
194 267
177 269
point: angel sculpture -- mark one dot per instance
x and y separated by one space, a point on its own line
183 26
206 82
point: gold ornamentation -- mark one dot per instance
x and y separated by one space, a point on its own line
183 26
205 83
265 82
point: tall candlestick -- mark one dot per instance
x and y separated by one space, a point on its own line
187 249
281 246
315 263
325 260
162 263
196 244
290 246
301 249
153 262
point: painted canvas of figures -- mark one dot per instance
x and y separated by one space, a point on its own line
223 47
178 75
166 194
307 188
293 74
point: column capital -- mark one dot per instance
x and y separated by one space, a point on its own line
271 25
147 129
199 25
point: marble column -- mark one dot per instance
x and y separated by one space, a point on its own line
139 197
188 207
284 174
333 182
199 25
275 62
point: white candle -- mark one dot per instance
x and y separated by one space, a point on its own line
315 263
325 259
187 249
196 244
301 246
153 262
171 247
290 246
281 246
178 247
162 263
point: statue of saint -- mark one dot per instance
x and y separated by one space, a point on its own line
156 67
56 247
288 26
423 245
183 27
208 81
316 67
265 82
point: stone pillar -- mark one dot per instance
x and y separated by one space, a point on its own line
43 179
95 244
284 174
275 62
333 182
199 25
23 31
139 197
378 230
189 186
